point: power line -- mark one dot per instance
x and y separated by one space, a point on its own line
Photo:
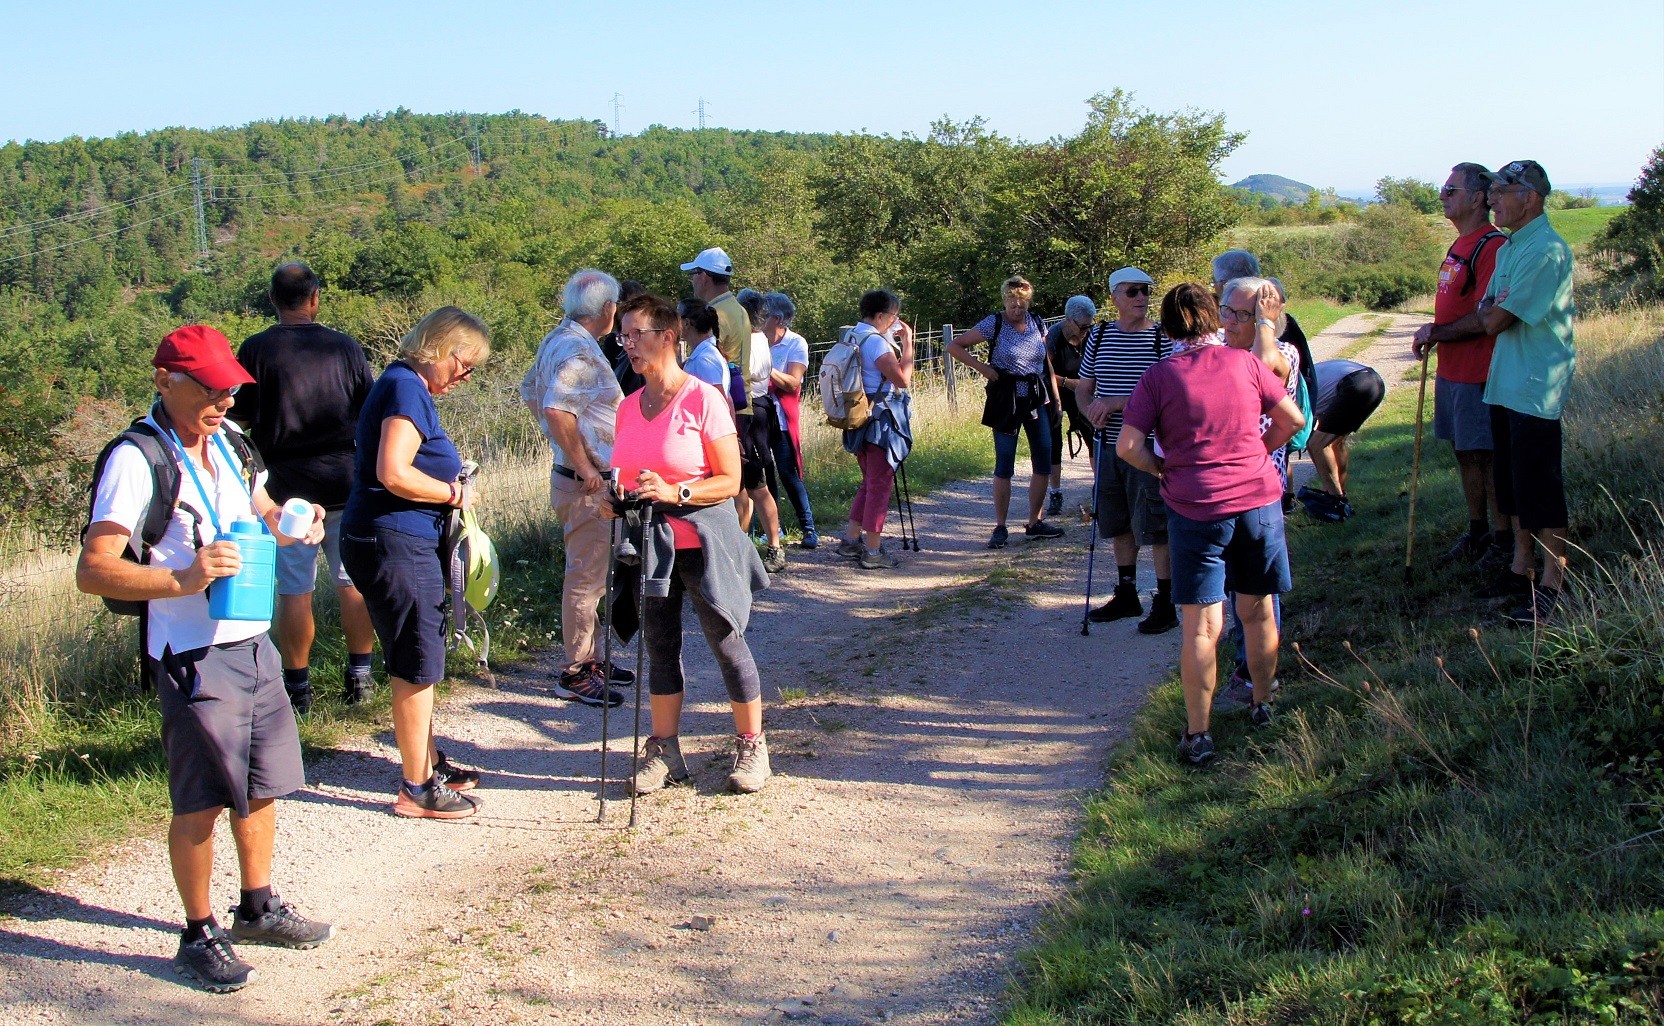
701 112
95 238
87 215
616 107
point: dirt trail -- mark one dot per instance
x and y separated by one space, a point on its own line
941 722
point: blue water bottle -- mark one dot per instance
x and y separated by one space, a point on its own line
252 593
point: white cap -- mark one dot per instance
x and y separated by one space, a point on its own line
714 260
1128 274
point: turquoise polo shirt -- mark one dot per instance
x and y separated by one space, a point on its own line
1533 361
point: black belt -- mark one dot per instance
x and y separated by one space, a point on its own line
566 472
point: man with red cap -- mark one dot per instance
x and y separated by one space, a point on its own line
227 726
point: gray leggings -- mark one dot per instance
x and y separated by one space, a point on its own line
662 630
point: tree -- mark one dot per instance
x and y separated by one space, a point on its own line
1421 196
1634 240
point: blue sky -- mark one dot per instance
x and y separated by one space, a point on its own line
1330 94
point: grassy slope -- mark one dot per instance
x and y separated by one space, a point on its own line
1578 227
1413 841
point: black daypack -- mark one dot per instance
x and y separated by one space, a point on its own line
1471 264
164 475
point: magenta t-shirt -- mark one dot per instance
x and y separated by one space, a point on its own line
1204 405
672 444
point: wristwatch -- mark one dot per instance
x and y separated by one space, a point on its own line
684 494
1267 322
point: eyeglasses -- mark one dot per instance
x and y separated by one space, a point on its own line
1231 313
633 338
215 395
1135 290
464 371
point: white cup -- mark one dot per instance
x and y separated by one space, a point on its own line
296 519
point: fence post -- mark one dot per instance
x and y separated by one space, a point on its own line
947 368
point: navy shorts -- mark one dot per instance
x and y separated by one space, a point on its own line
402 579
227 727
1245 553
1039 431
1526 470
1460 415
1129 502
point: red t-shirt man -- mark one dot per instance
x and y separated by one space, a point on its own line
1462 281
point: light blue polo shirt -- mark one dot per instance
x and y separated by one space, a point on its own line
706 364
1533 362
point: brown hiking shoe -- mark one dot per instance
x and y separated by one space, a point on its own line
751 770
661 764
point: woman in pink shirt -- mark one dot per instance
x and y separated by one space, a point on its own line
1223 494
676 446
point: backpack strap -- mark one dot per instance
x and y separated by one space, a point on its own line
1472 261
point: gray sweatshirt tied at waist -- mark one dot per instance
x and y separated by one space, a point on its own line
733 570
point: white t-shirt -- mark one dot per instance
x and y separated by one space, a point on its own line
792 348
762 362
124 493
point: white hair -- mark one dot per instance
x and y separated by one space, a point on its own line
1080 309
1235 263
1252 286
587 293
778 304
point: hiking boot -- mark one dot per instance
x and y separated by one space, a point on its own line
998 539
358 686
1506 584
661 764
436 802
455 777
1467 549
1196 748
849 549
300 699
1497 559
774 558
1054 504
584 683
1163 617
751 770
810 539
1538 610
280 926
878 561
1125 603
211 961
1043 530
1259 714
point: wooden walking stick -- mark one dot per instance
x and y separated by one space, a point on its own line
1415 472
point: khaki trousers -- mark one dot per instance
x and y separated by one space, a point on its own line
586 536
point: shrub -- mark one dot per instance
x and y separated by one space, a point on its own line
1632 240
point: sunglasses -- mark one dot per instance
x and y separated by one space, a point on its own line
1135 290
214 394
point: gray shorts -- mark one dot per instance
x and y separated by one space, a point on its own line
1460 415
1129 502
297 564
227 727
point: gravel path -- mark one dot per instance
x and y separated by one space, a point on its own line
933 729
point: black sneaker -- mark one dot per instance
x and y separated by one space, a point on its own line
455 777
1466 549
280 926
583 683
1054 504
435 802
1196 748
1538 610
1506 584
358 686
1124 604
1043 530
1163 617
998 539
1259 714
211 961
1496 559
300 699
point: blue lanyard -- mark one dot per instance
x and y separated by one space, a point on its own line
230 462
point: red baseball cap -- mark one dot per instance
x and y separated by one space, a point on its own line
204 354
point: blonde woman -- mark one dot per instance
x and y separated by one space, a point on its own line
1021 385
404 489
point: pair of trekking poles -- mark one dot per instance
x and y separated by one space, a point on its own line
619 548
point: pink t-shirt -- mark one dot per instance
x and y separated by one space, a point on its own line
1204 405
672 444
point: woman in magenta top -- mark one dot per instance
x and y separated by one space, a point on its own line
1223 494
676 446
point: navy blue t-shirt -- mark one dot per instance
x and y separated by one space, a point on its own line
399 392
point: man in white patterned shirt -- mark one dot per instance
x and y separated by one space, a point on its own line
574 397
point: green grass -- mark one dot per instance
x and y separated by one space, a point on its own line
1318 315
1442 827
1579 227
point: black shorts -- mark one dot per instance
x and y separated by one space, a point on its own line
402 579
1130 502
1525 467
756 452
1356 397
227 727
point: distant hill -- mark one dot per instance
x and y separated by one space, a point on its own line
1286 189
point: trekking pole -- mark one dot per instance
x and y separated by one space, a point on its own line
606 657
1092 544
907 493
1415 473
641 654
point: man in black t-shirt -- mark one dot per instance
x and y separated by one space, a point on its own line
302 411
